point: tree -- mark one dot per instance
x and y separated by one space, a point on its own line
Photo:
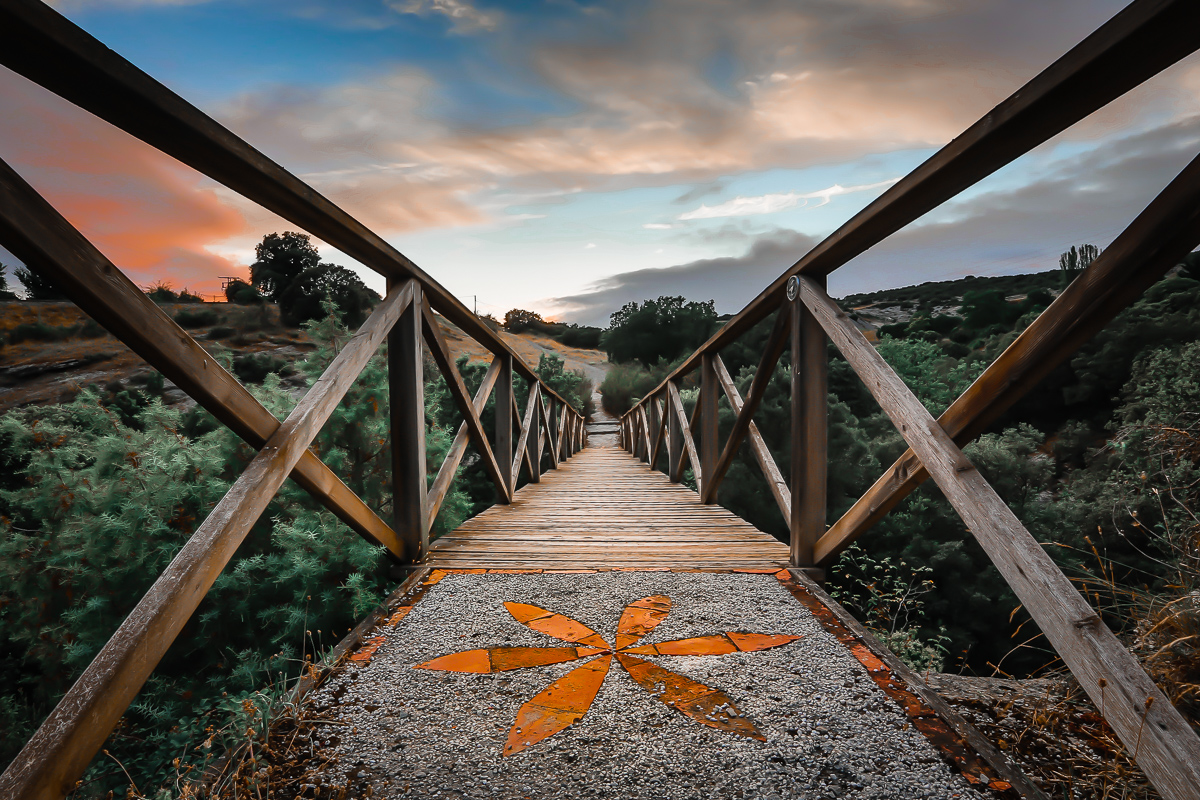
280 258
519 319
5 294
242 293
301 300
660 329
38 286
1076 261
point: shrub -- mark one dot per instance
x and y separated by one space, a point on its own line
254 367
161 292
38 332
221 332
197 319
242 293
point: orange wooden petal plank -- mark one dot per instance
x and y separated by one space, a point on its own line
707 706
641 617
558 706
716 644
750 642
556 625
499 659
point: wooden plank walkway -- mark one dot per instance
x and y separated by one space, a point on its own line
604 509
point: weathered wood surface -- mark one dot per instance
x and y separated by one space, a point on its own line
32 230
458 449
605 509
406 412
1158 239
810 433
54 758
1163 744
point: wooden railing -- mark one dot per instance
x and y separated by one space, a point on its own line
1142 40
40 44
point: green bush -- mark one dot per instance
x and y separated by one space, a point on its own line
38 332
221 332
255 367
197 319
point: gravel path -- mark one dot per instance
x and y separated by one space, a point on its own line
830 731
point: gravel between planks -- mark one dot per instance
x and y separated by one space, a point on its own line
831 733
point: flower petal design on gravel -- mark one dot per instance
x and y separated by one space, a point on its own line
559 705
565 701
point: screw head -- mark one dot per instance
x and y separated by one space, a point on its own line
793 287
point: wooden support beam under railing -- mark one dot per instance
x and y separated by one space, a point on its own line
462 398
776 342
406 408
660 430
454 456
674 438
689 444
766 462
33 231
1152 730
706 430
524 448
55 757
810 429
1158 239
505 408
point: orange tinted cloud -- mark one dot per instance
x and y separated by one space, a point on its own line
149 215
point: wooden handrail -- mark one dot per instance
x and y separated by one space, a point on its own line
54 758
48 49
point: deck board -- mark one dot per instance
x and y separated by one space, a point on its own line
604 509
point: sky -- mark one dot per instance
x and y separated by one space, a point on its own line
569 157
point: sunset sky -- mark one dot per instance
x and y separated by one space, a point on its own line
571 156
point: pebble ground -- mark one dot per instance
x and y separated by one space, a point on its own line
831 732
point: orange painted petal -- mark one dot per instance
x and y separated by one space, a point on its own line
558 706
641 617
717 644
555 625
710 707
750 642
499 659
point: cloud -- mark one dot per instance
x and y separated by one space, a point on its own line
770 203
657 226
731 281
466 18
150 216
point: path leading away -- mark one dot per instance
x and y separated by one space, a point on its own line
604 508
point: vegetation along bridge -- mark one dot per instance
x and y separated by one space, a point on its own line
605 630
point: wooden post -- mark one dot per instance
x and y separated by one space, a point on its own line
552 431
504 419
706 427
406 385
655 421
810 432
674 439
533 444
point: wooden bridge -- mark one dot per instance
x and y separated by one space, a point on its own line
592 524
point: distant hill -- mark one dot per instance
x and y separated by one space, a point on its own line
934 294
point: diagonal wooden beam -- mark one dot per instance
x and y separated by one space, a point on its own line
689 445
561 446
660 433
775 344
766 462
1158 239
454 457
462 399
523 450
1151 729
32 230
53 759
684 424
644 423
547 426
45 47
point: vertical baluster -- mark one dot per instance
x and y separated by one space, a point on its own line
654 420
810 432
674 439
706 425
504 419
406 387
533 444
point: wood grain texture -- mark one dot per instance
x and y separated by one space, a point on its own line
505 408
454 456
810 433
54 758
685 431
605 509
1163 744
1157 240
766 462
705 429
406 410
776 342
35 232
